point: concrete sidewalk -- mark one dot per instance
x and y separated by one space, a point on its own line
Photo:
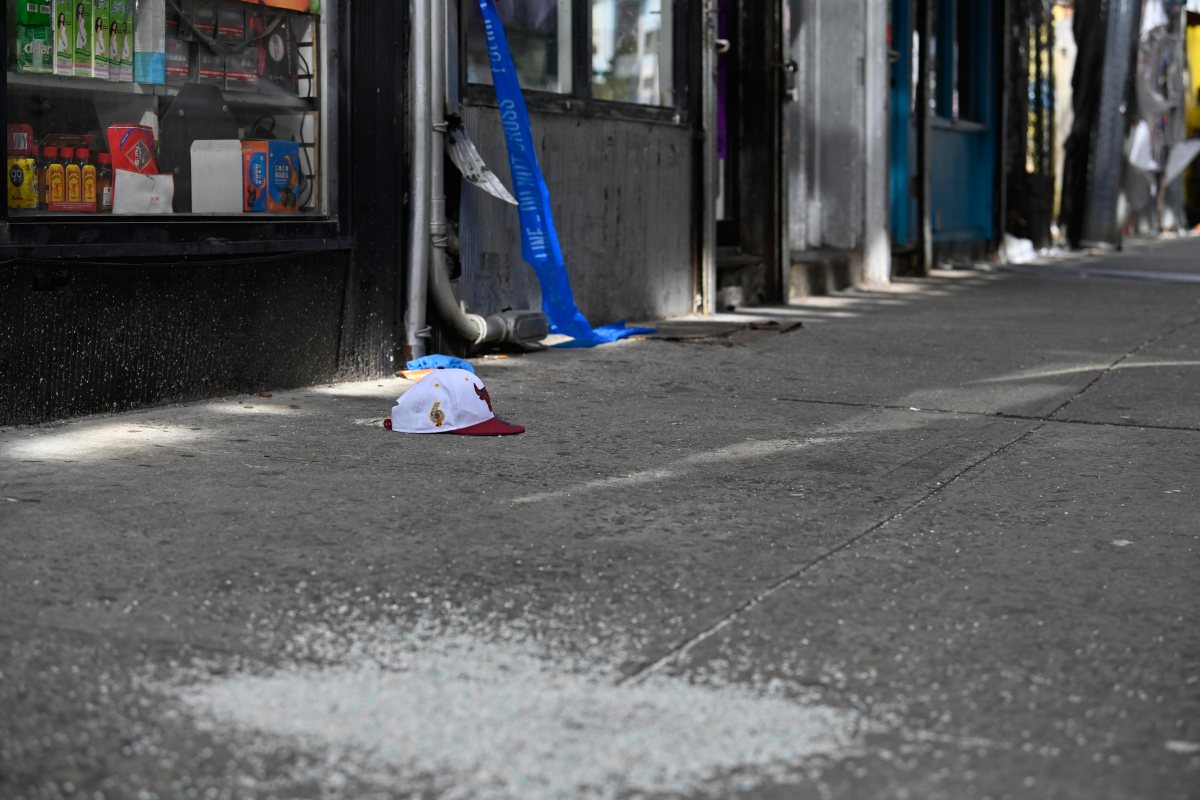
941 542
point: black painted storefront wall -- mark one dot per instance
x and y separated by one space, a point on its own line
77 340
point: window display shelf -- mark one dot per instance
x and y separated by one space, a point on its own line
61 83
216 152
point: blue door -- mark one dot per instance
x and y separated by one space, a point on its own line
963 135
902 133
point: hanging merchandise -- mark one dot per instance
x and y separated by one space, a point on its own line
539 246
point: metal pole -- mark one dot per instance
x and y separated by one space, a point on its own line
472 327
415 329
708 123
877 251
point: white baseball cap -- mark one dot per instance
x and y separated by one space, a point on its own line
449 401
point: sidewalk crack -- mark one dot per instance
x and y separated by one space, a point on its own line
648 669
1174 329
991 414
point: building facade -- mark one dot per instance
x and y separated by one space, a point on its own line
699 155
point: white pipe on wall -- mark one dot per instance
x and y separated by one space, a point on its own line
415 329
877 249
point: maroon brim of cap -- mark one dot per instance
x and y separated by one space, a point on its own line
492 427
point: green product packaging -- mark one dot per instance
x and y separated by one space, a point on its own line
35 48
116 37
33 13
127 42
64 37
102 35
84 40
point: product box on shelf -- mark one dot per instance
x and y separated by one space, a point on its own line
231 24
22 182
22 167
120 39
198 21
241 71
210 66
254 174
20 140
137 186
178 61
85 39
277 54
34 13
275 49
35 48
103 31
127 37
147 30
293 5
71 185
132 148
64 37
271 175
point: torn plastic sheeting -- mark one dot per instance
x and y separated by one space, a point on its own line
1181 156
539 240
470 163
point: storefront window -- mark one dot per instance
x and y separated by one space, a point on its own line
169 107
539 36
631 51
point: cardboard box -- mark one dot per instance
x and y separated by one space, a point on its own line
203 18
146 29
284 176
241 71
127 39
231 25
102 33
210 66
85 39
20 140
35 48
178 62
64 37
271 175
294 5
117 11
132 148
277 54
255 153
30 12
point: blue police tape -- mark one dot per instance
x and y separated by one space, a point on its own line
539 240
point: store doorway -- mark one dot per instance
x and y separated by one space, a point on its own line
746 191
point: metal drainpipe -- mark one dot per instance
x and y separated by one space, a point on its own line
416 331
471 327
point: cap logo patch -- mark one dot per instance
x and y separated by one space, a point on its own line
484 396
436 415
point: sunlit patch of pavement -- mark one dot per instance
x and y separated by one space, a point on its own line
95 441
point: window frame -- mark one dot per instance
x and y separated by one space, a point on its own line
960 67
579 100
